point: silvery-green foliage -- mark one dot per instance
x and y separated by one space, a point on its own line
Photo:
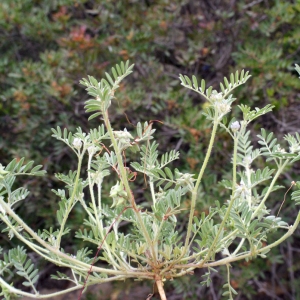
103 91
152 248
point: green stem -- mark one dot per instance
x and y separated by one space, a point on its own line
155 228
195 190
198 229
52 295
228 280
201 253
74 263
158 231
91 185
215 241
87 209
260 206
249 190
226 260
124 179
99 188
123 173
231 259
234 163
98 222
239 246
70 202
152 190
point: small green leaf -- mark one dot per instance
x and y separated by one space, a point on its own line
195 82
169 173
202 85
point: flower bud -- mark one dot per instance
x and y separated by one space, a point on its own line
92 150
235 126
223 107
215 96
77 143
247 160
123 138
185 180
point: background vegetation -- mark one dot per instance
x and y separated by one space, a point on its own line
48 46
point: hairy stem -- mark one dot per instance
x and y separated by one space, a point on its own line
97 219
215 241
195 190
260 206
234 162
125 182
70 202
52 295
228 280
72 262
230 259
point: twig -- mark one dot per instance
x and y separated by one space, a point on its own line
292 184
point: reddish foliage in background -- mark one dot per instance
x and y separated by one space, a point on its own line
78 38
63 89
62 14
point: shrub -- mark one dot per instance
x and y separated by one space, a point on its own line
152 248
